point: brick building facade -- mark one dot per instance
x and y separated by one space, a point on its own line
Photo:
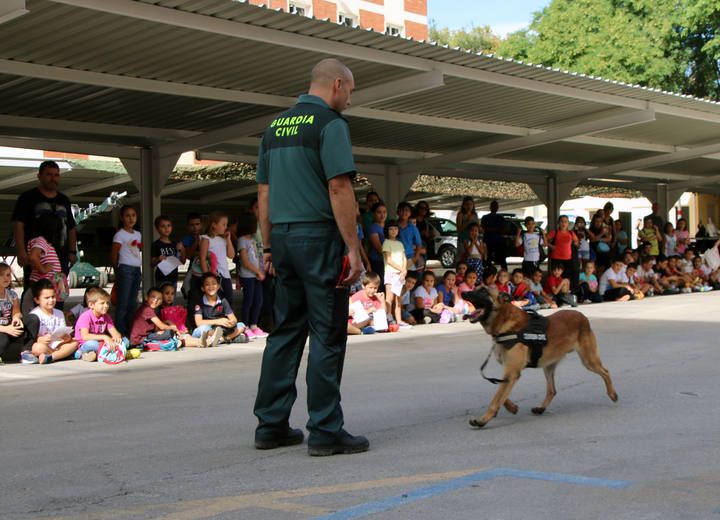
407 18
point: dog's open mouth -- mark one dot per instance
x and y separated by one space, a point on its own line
477 315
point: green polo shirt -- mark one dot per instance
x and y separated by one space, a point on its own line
301 151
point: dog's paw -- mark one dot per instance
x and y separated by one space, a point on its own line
512 408
476 424
538 410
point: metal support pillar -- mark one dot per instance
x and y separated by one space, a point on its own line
149 174
553 193
393 187
666 197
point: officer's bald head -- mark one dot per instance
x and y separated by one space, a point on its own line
332 81
327 71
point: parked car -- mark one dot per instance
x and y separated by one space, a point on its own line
445 241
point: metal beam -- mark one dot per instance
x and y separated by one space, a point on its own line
81 127
398 88
650 162
389 90
65 145
11 9
99 185
239 192
550 136
181 187
19 179
322 46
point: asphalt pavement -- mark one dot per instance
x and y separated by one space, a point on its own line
170 435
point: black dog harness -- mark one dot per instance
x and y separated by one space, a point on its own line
534 335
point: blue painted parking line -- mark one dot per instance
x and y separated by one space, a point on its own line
370 508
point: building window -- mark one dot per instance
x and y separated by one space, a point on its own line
393 30
344 19
298 9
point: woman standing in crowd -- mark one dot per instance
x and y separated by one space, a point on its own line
561 242
466 215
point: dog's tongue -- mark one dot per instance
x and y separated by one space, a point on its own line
476 316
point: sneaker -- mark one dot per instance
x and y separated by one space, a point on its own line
367 330
427 320
89 356
405 325
259 333
686 290
344 445
292 437
45 359
204 339
28 358
651 292
250 334
241 338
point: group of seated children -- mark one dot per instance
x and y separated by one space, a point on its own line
43 335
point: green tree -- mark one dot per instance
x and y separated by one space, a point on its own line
475 39
667 44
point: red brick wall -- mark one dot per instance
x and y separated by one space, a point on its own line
416 31
272 4
323 9
374 21
416 6
63 155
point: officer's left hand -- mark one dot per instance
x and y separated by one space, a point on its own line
356 267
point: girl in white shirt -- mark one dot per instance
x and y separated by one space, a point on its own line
126 259
218 242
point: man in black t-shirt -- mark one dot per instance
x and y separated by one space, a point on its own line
45 198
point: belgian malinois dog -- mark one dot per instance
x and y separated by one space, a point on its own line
566 331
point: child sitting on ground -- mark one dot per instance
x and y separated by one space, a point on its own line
48 336
634 282
647 277
544 300
428 304
520 293
559 287
614 284
214 314
489 277
470 282
95 327
361 321
450 297
460 271
406 298
503 282
11 324
149 332
588 285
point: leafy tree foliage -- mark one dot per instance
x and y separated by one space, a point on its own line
475 39
669 44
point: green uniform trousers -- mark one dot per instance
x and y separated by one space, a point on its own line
308 264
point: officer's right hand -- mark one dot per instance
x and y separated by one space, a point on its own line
356 267
268 265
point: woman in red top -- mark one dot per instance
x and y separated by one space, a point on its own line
561 242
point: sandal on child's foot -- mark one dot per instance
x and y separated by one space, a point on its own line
217 337
204 339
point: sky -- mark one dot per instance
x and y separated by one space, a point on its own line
503 17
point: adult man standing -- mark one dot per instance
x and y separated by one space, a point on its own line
657 219
493 226
45 198
307 216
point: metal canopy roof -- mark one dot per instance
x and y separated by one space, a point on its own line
108 77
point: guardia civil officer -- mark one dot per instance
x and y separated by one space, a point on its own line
307 218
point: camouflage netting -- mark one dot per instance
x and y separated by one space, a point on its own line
450 186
